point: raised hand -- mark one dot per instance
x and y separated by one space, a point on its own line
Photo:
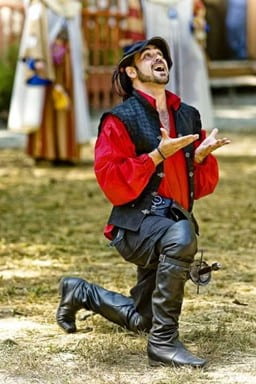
168 146
208 145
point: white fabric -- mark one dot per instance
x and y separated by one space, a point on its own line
22 118
189 78
26 107
82 118
65 8
82 115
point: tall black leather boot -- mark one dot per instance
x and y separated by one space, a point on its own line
78 293
164 346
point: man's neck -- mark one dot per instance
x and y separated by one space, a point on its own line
160 98
158 93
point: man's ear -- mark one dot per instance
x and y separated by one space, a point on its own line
131 72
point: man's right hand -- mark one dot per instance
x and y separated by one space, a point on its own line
168 146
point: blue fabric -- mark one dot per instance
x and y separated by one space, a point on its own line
36 80
236 28
31 64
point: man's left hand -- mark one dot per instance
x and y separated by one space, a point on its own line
208 145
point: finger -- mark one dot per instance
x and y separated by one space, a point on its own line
224 141
186 140
214 132
189 138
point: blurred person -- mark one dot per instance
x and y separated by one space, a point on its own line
49 100
182 23
152 159
135 23
251 36
236 28
217 47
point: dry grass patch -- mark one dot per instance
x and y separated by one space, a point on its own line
51 225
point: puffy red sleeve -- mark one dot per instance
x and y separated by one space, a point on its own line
120 172
206 174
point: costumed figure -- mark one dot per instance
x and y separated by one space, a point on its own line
251 36
135 24
152 159
182 24
236 28
49 100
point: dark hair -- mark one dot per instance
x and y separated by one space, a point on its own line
121 83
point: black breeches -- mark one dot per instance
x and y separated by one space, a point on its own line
157 236
179 242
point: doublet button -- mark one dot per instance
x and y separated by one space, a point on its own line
161 174
145 211
187 154
191 174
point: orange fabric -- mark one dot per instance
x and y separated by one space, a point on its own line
251 36
55 140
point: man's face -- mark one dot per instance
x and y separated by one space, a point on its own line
151 67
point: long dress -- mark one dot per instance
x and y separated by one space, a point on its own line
217 46
236 28
171 19
51 105
135 29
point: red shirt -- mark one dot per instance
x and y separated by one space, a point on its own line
122 174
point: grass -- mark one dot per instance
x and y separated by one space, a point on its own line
51 225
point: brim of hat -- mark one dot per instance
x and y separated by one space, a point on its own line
159 42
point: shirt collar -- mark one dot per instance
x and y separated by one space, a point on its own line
172 100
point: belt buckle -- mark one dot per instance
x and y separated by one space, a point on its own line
157 201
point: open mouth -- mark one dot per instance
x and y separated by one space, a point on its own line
159 68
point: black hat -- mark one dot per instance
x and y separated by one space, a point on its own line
121 82
131 50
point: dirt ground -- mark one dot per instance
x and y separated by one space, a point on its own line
51 226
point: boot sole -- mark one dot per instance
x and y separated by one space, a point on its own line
154 363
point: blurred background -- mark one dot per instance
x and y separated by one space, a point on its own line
228 40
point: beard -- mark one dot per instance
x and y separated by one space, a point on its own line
152 78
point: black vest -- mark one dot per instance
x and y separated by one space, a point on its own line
143 125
